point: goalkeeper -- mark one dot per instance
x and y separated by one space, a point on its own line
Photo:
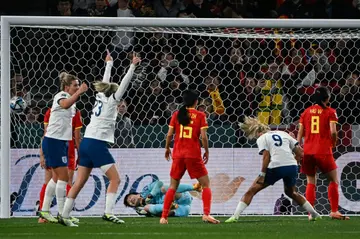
149 201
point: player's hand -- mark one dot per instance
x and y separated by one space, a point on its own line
206 157
148 199
42 162
83 88
168 154
108 56
135 59
260 180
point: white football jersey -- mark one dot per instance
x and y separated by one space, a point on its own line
103 119
60 123
280 146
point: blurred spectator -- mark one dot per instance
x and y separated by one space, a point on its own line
294 9
170 69
101 9
80 7
19 88
167 8
123 40
124 137
32 115
200 9
64 8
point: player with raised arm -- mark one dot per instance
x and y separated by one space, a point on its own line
77 125
188 124
318 125
54 144
94 152
277 149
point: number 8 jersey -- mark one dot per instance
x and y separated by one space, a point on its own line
316 122
187 142
280 146
103 119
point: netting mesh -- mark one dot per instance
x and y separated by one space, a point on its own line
269 73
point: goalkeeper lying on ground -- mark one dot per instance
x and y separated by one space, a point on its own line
149 201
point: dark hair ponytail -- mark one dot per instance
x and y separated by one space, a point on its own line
321 95
189 99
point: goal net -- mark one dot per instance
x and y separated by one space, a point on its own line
269 72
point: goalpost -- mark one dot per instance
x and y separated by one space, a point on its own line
263 67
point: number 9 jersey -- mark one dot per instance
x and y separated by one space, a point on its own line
316 122
187 142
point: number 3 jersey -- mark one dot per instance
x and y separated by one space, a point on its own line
187 142
316 122
103 119
280 146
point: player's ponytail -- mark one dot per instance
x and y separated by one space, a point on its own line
66 79
321 95
190 98
252 127
106 88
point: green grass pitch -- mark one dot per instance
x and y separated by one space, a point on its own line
189 228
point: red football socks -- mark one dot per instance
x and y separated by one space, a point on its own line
310 193
206 198
333 195
42 195
68 187
169 198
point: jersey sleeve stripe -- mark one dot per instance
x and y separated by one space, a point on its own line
79 127
261 151
205 127
333 121
46 123
300 123
171 126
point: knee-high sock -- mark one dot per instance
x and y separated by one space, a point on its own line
42 195
169 198
310 193
206 198
49 194
333 194
60 195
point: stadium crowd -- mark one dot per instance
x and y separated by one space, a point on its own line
236 76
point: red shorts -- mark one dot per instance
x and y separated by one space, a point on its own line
310 163
195 167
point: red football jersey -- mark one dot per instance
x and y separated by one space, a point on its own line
76 124
187 144
316 121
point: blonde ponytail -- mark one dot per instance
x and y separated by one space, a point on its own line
252 127
106 88
66 79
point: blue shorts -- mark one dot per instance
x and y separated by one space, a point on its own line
288 174
94 153
55 152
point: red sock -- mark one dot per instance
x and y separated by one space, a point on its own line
206 198
42 195
333 194
169 198
68 187
310 193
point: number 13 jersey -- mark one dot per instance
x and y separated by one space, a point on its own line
103 119
187 142
316 122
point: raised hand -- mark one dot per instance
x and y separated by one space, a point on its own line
83 88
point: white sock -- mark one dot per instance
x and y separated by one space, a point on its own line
69 204
239 209
49 194
60 194
110 203
307 206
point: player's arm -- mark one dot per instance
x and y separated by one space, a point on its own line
77 131
333 132
126 80
300 133
155 190
169 137
299 153
265 164
109 64
205 144
66 103
42 158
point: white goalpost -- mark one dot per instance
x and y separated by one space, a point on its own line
210 44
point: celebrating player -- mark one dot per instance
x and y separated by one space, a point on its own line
54 144
277 148
318 125
150 201
93 148
77 125
188 124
